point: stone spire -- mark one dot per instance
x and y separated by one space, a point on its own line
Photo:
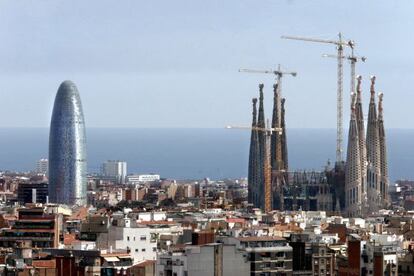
384 182
353 168
276 142
278 175
262 150
361 134
253 165
373 154
284 138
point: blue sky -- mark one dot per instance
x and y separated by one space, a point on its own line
175 63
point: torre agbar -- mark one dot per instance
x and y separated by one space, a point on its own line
67 148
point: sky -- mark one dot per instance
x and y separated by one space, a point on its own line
156 64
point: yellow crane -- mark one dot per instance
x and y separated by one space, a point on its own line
267 165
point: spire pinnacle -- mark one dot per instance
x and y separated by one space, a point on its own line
353 102
358 89
373 88
380 98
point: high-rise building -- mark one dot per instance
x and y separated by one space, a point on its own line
32 193
42 166
115 169
67 148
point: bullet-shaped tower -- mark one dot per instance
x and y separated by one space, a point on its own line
353 168
384 181
67 148
373 154
253 160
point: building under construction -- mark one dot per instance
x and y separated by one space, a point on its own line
366 173
360 183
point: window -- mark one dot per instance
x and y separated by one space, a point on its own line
154 249
136 250
143 249
127 238
143 238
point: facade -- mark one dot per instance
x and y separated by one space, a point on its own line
115 169
353 178
33 225
42 166
366 177
32 193
136 239
203 260
67 148
267 255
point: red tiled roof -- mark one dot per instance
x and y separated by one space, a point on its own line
44 263
68 239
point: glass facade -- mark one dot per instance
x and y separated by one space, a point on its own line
67 148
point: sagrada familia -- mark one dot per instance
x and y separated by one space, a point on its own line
354 188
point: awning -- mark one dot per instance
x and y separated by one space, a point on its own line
111 259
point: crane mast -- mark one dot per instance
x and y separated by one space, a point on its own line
353 60
340 44
339 103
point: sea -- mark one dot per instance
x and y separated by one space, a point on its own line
194 153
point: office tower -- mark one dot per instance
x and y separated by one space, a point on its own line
67 148
115 169
32 193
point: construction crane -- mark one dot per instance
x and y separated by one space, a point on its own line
267 165
340 44
278 73
353 60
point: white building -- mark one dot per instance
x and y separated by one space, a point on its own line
135 238
42 166
115 169
142 178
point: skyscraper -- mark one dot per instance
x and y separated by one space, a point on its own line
67 148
